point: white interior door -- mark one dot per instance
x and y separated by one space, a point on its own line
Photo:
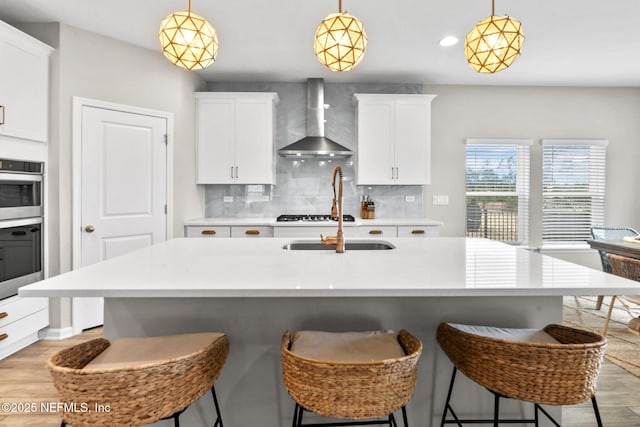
123 191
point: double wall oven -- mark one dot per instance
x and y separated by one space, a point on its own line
21 222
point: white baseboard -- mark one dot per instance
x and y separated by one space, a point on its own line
56 333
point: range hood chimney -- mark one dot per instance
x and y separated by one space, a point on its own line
315 144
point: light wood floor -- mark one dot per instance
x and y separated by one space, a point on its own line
24 379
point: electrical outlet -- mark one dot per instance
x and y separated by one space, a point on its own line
227 199
440 200
255 188
409 199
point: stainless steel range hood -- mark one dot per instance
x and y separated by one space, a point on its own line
315 144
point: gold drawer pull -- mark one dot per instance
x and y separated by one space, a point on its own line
3 314
375 231
252 232
417 231
208 232
2 107
3 336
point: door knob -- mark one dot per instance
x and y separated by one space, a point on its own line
89 228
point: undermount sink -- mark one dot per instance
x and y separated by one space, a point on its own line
350 245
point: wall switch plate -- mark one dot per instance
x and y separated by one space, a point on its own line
440 200
227 199
409 199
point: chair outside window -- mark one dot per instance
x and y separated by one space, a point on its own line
628 268
609 233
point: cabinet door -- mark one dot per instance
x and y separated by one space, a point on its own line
215 140
412 137
254 141
375 142
24 82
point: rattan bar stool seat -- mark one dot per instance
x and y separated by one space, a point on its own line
350 375
557 365
139 380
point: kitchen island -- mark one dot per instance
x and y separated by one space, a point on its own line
254 290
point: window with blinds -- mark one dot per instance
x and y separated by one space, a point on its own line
497 189
573 175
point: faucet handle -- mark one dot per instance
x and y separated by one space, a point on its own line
329 240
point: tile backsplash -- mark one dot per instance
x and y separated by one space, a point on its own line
305 186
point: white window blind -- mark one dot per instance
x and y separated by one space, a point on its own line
497 189
573 174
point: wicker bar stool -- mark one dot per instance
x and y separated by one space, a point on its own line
137 381
361 376
553 366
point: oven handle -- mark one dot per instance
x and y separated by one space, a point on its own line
20 222
21 177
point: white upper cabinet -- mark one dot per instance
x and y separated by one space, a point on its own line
235 137
394 139
24 85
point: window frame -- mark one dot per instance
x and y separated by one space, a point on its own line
596 179
523 183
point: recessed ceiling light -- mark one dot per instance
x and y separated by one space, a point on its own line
449 41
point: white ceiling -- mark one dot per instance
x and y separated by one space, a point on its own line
568 42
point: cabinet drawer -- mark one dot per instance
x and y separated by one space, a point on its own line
251 231
417 231
212 231
18 330
372 231
15 308
305 231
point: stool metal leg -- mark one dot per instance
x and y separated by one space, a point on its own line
176 420
215 403
596 411
447 406
496 409
404 417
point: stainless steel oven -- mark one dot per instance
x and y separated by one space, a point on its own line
21 246
20 254
20 189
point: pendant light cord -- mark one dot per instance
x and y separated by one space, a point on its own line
339 6
189 7
493 7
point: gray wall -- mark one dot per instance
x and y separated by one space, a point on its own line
305 187
461 112
89 65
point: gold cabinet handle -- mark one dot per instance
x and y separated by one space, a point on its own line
375 231
3 314
3 336
208 232
2 108
252 232
89 228
417 231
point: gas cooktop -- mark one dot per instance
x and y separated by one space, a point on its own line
313 218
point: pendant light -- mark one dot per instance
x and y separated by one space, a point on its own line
188 40
494 43
340 41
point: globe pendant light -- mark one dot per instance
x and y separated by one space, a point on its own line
494 43
188 40
340 41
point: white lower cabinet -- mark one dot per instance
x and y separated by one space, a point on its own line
258 231
306 231
373 231
418 231
206 231
20 321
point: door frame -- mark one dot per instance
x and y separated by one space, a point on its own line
76 173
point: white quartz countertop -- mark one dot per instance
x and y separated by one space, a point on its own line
241 267
272 222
